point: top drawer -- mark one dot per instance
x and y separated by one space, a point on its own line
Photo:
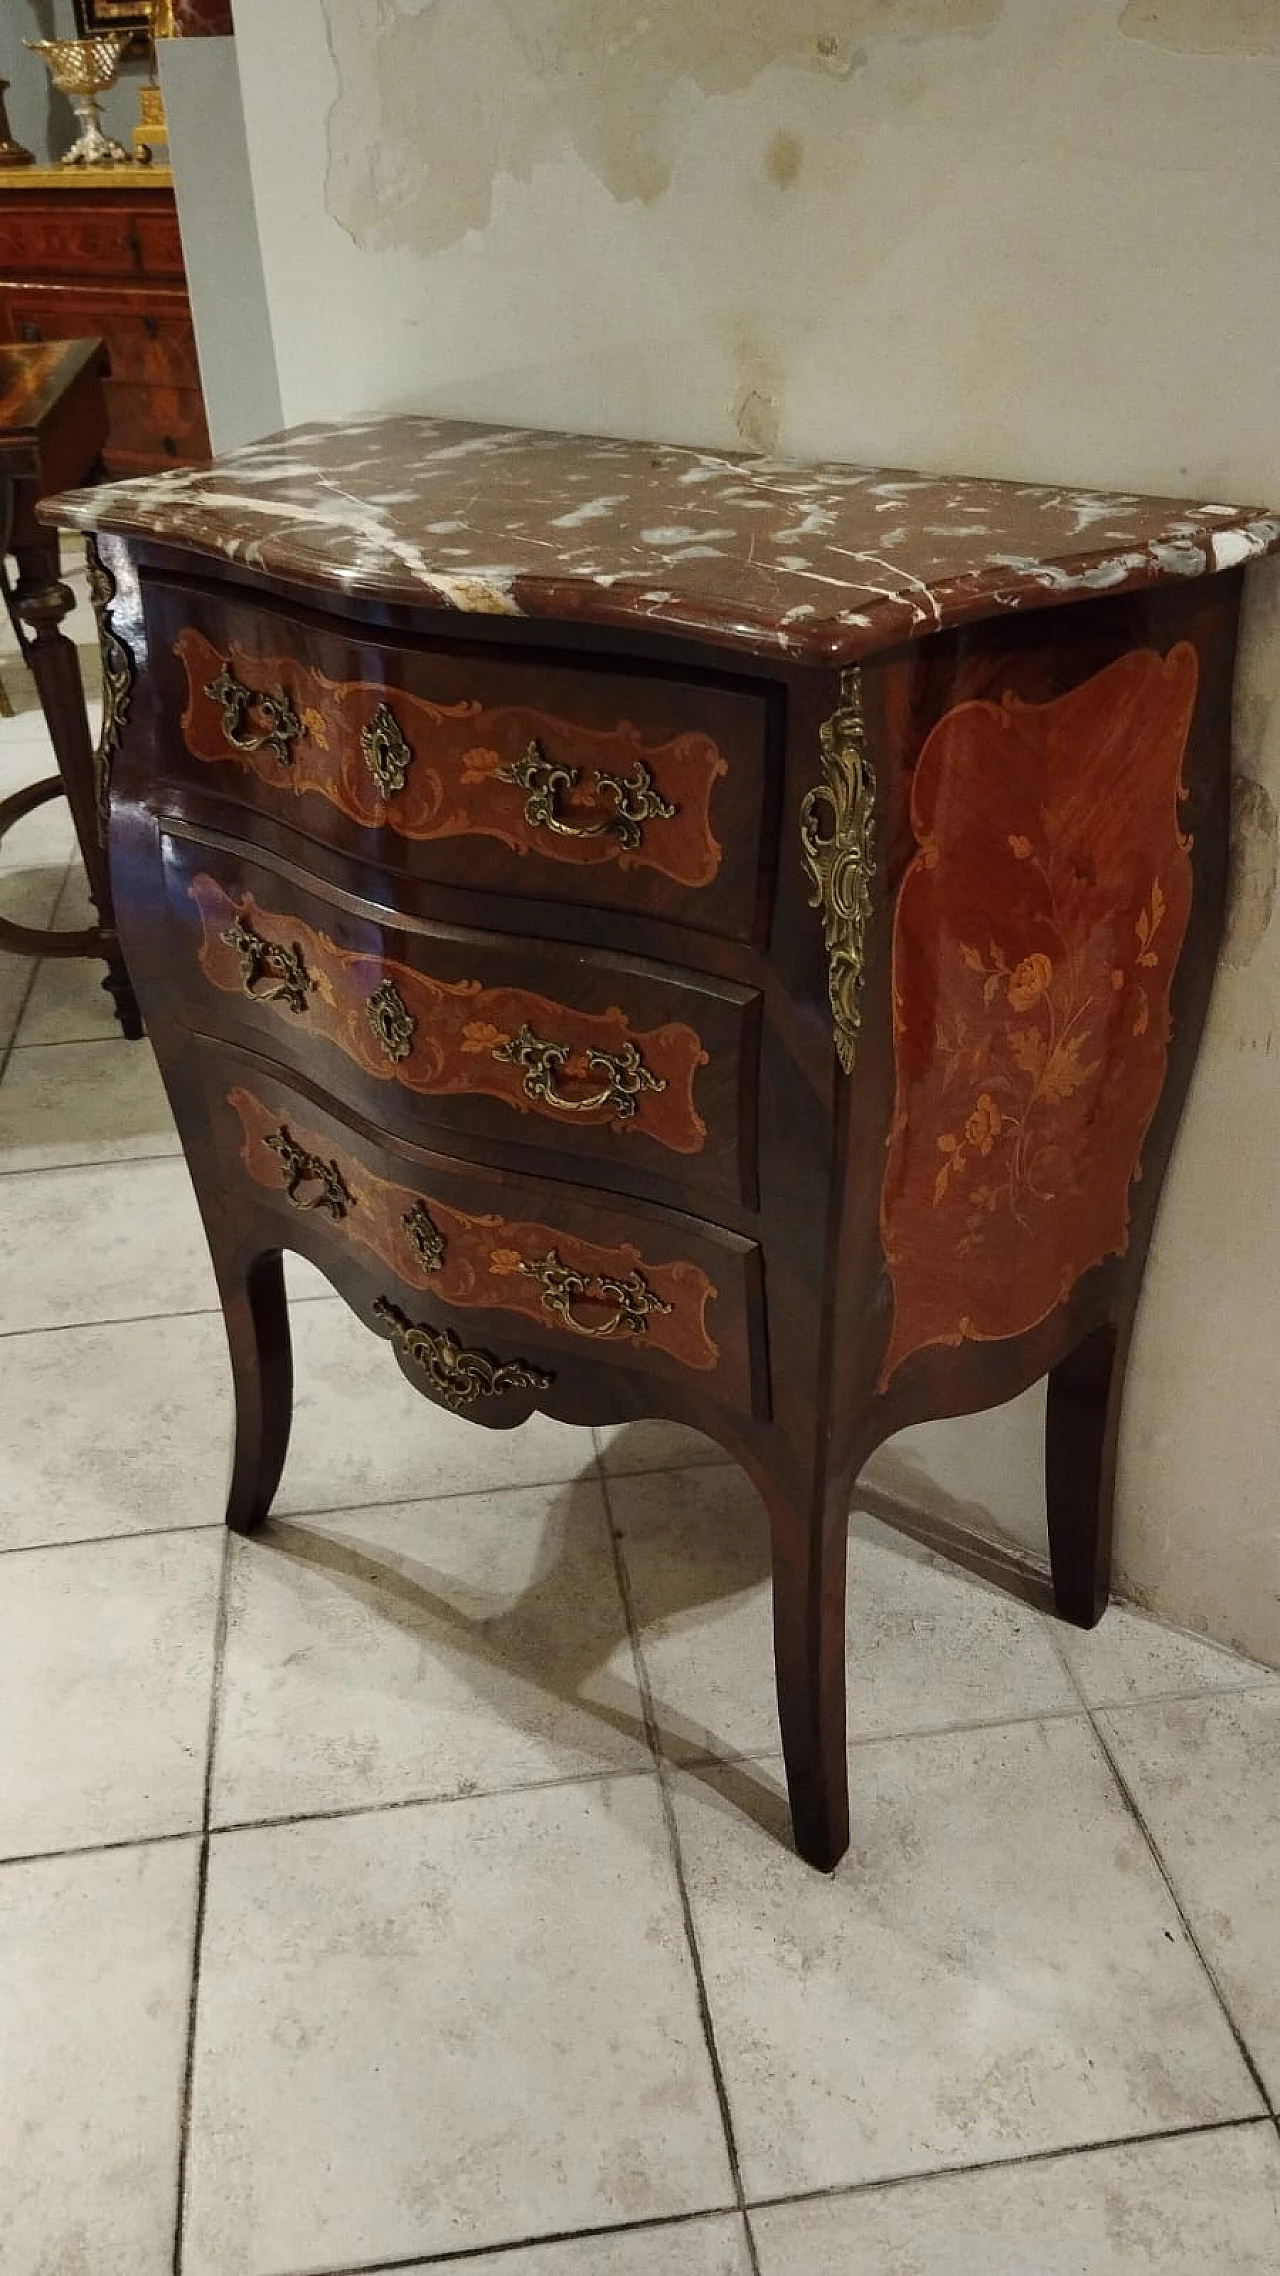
63 239
600 783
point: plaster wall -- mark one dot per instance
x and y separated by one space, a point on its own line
1038 238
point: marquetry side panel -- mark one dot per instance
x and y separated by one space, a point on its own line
1036 935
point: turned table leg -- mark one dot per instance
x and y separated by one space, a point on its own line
41 600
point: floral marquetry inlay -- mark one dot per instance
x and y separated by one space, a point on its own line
1037 931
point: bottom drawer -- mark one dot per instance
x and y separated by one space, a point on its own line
641 1287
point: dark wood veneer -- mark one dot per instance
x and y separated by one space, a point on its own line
1091 739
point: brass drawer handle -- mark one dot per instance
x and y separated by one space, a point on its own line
562 1288
625 1071
282 724
309 1182
391 1020
635 800
457 1376
424 1234
386 753
269 972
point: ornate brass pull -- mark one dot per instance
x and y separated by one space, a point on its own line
391 1020
239 704
386 753
269 972
635 800
428 1246
457 1376
563 1287
625 1071
309 1182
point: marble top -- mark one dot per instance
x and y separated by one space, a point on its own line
824 561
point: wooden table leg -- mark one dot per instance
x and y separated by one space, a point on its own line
42 601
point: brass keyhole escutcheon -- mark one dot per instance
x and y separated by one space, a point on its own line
392 1021
386 753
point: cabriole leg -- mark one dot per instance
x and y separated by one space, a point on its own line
809 1544
255 1312
1082 1422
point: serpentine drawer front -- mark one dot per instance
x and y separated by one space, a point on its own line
591 785
635 1067
644 1288
676 935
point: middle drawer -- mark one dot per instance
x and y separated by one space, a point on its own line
623 1062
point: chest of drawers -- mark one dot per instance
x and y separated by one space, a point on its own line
676 935
99 256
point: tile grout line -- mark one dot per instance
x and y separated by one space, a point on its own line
677 1864
11 1044
478 2253
134 1319
1151 1844
1016 2160
82 1162
202 1884
1131 1803
329 1816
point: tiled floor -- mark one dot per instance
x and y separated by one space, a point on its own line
409 1886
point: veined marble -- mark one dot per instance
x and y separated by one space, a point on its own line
824 561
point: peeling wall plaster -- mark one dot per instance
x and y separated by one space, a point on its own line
527 78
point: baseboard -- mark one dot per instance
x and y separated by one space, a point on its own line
1011 1568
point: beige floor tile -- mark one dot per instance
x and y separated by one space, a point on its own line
426 2030
1128 1657
995 1969
106 1664
927 1646
44 839
1203 2205
83 1102
431 1648
95 1969
714 2247
118 1242
68 1003
626 1448
1206 1775
362 1433
142 1445
27 897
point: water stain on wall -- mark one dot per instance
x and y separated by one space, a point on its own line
1205 27
438 99
1255 856
783 159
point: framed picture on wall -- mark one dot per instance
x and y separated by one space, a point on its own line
132 16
